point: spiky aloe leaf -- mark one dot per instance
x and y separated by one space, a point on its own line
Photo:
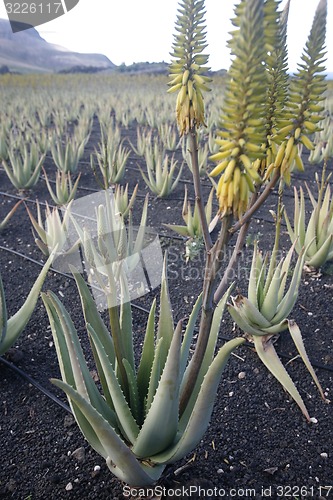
267 353
92 316
298 341
288 301
126 421
207 359
321 256
10 214
188 335
17 322
165 326
119 458
74 370
199 418
153 438
147 356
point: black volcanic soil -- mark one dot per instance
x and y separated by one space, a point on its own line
258 445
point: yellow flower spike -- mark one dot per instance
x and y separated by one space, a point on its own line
188 64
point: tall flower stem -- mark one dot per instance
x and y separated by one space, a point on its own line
193 145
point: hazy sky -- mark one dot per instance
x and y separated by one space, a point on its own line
130 31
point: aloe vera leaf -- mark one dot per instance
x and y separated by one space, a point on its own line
134 398
165 327
284 271
19 320
269 357
188 335
208 357
73 366
287 303
126 329
292 234
92 316
238 318
120 460
175 183
298 341
270 302
321 256
155 374
126 421
5 221
66 368
182 230
147 356
253 278
199 418
154 437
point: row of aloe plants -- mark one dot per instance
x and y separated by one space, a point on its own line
265 120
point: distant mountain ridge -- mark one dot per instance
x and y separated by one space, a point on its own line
27 52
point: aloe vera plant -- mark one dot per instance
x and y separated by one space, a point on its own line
317 234
67 156
65 190
11 328
52 232
24 166
161 180
264 313
123 424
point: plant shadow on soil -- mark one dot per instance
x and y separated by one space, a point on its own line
258 444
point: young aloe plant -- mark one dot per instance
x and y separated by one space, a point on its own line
123 204
264 312
111 159
161 181
53 233
11 328
65 189
123 424
317 234
143 138
24 166
67 156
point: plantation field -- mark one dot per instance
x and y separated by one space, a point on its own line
258 438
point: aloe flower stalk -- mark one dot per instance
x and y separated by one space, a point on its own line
188 66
